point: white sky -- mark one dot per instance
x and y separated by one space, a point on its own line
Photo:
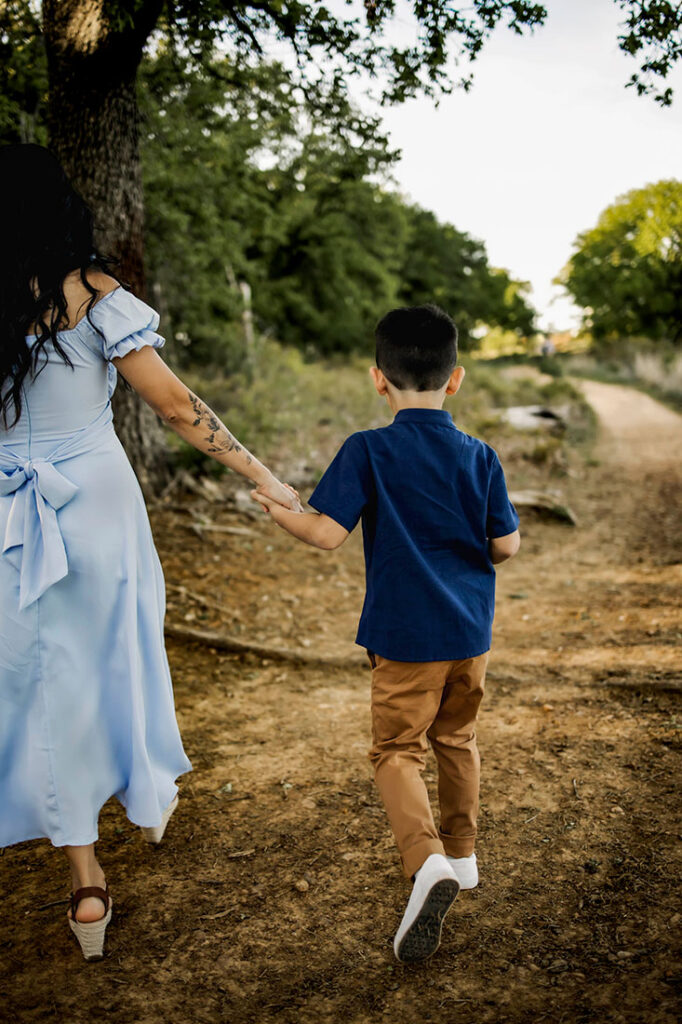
545 140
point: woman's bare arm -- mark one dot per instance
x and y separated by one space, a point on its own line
194 421
170 399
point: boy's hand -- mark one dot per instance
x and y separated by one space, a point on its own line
265 502
278 493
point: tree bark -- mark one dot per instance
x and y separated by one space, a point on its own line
93 128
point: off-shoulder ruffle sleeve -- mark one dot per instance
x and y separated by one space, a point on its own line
127 323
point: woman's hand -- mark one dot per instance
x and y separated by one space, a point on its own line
283 494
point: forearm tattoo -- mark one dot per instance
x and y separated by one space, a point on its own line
219 437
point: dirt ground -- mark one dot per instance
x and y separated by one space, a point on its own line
276 892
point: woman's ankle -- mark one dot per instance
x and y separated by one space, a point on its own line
85 868
88 878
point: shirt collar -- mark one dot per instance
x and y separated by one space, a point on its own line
435 416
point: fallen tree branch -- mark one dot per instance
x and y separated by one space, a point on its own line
225 642
238 531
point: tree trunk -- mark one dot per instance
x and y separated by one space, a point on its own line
93 130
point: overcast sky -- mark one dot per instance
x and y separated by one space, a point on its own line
546 139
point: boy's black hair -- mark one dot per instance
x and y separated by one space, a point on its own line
416 347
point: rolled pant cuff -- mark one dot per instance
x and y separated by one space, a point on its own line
455 847
413 858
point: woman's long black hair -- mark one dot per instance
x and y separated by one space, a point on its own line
46 232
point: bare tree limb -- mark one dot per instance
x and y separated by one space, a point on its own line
225 642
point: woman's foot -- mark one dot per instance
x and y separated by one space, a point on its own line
90 907
90 934
86 872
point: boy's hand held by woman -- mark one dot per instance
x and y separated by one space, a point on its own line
274 492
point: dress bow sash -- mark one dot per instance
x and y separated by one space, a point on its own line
40 490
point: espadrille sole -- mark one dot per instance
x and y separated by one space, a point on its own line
90 935
422 938
155 834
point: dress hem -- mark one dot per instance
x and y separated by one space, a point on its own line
92 838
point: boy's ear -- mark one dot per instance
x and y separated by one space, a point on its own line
380 382
455 382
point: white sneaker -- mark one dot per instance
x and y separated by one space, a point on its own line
466 870
435 890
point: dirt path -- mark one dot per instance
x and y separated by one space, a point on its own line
276 893
635 428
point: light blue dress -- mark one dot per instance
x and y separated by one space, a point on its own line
86 703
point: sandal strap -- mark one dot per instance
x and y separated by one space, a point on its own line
89 891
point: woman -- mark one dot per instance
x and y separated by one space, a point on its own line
86 704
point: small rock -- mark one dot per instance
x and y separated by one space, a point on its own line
548 707
308 803
557 966
624 954
301 885
617 810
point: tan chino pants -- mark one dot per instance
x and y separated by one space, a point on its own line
413 702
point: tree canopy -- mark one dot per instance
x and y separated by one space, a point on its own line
328 46
626 272
331 45
652 34
242 183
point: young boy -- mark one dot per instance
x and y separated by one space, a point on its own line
435 518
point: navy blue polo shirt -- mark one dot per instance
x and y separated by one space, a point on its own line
430 497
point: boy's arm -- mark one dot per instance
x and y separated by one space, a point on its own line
500 548
311 527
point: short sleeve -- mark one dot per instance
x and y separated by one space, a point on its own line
502 517
346 487
127 324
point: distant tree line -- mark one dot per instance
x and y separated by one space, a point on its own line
245 181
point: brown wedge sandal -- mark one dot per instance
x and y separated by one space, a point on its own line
90 934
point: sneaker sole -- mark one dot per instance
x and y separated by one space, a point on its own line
423 937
